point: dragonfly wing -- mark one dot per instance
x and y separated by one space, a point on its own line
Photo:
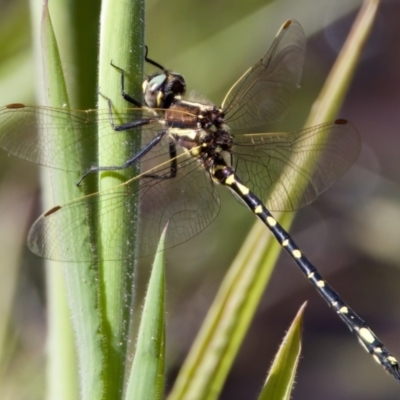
65 139
188 203
264 92
33 134
290 170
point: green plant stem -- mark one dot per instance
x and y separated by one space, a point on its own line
121 41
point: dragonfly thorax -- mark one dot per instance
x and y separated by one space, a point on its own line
201 126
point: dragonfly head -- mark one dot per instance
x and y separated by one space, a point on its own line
160 89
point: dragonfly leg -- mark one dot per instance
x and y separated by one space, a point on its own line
128 125
174 164
125 95
152 62
129 162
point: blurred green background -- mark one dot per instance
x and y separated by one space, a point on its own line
352 233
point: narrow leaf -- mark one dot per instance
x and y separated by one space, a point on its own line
146 381
80 279
280 380
217 343
121 42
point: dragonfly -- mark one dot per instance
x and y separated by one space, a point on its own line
189 147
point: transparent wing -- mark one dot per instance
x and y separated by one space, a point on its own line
263 93
188 202
32 133
290 170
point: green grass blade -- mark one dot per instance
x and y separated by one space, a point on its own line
146 381
331 97
121 41
62 364
217 343
80 279
280 380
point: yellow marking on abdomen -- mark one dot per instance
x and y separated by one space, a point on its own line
296 253
392 360
271 221
258 209
367 335
243 189
230 180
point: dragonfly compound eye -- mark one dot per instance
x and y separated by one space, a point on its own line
153 88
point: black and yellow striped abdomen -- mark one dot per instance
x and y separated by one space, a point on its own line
227 177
